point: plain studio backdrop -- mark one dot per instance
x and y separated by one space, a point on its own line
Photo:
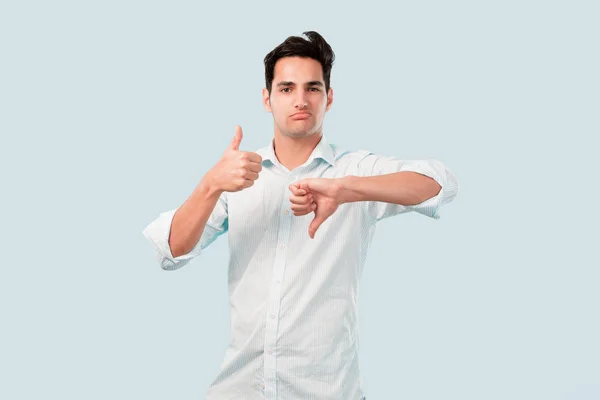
112 111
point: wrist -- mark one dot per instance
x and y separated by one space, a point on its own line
345 193
210 186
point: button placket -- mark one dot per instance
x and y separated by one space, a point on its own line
270 358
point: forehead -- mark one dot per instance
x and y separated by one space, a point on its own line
298 70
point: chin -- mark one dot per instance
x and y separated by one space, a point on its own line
297 134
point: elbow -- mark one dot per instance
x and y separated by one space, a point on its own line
175 258
176 248
177 251
445 177
434 189
429 190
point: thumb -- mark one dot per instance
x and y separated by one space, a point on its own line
296 190
237 139
314 225
303 185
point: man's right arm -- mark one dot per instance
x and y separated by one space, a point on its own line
181 234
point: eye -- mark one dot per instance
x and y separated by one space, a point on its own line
285 90
316 89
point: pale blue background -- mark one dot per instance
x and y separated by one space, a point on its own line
111 112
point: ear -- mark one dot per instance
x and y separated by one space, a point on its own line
266 100
329 99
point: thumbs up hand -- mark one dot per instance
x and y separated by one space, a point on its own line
236 170
321 195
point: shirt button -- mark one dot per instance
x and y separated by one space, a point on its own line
278 280
282 246
262 385
270 351
286 212
272 316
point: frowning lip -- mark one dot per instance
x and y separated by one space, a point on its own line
300 115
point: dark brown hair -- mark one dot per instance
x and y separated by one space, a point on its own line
295 46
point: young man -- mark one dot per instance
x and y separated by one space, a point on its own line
300 214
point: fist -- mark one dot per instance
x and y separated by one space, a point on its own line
236 170
302 201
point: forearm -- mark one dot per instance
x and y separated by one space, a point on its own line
190 218
406 188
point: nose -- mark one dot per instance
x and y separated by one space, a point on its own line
301 102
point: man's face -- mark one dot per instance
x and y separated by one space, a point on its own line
298 88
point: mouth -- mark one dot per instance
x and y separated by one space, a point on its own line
300 115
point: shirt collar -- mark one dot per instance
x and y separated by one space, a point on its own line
322 150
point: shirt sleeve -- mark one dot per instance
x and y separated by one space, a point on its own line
372 164
158 231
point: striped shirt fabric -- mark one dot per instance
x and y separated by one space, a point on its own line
293 299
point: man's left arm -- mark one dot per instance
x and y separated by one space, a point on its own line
385 186
389 186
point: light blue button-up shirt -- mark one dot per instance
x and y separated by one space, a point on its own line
293 299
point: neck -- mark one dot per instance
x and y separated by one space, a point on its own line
293 152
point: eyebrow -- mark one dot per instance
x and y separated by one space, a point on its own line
289 83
